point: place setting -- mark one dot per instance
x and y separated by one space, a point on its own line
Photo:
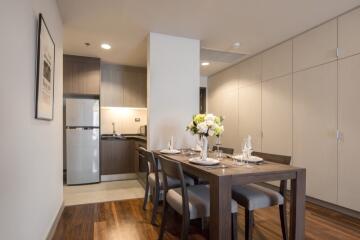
170 149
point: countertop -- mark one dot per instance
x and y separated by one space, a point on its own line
123 137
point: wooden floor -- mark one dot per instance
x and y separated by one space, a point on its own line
127 221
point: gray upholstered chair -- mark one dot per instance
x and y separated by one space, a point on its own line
154 180
253 196
192 202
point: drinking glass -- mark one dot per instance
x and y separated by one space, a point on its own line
219 154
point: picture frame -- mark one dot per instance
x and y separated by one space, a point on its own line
45 73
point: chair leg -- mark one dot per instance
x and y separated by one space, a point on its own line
163 221
185 228
249 223
155 205
203 223
234 226
284 230
146 194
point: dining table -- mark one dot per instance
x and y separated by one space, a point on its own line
229 173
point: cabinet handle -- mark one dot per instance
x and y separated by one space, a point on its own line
339 136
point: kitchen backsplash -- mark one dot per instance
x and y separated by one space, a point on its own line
124 119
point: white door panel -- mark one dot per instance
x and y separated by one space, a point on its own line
82 155
82 112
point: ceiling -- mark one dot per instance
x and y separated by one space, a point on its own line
125 24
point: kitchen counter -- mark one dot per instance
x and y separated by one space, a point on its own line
123 137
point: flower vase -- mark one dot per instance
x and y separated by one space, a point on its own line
204 148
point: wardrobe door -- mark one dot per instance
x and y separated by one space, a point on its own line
250 114
316 46
349 33
349 125
277 115
314 129
277 61
223 95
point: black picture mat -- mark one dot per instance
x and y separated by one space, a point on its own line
41 25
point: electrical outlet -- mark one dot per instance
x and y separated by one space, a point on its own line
137 119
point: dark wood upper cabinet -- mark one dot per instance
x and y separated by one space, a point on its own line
81 75
123 86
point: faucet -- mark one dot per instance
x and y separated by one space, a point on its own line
113 126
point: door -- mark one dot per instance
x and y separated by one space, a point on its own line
277 61
277 116
249 122
82 112
314 129
82 155
316 46
349 33
202 100
349 125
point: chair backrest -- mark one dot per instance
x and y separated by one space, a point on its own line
150 160
224 150
282 159
173 169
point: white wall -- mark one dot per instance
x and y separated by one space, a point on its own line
173 88
203 81
30 150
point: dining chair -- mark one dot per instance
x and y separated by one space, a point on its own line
154 180
224 150
254 196
192 202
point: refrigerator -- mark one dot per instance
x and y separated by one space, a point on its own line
82 141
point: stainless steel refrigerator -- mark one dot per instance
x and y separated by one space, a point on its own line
82 141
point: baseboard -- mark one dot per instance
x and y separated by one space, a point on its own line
334 207
51 233
117 177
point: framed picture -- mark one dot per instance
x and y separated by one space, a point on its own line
45 73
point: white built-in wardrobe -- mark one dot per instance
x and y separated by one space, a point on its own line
301 98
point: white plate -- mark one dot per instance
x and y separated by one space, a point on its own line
208 162
170 151
196 149
253 159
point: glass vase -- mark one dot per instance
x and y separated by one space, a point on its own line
204 148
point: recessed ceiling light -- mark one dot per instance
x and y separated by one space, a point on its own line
205 64
105 46
236 45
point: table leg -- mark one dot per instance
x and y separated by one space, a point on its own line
297 206
220 208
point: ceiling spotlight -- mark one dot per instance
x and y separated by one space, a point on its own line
236 45
205 64
105 46
87 44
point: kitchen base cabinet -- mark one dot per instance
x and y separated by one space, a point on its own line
116 156
139 161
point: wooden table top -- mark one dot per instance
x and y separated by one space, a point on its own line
228 167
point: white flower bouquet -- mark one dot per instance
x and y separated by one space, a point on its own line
206 125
